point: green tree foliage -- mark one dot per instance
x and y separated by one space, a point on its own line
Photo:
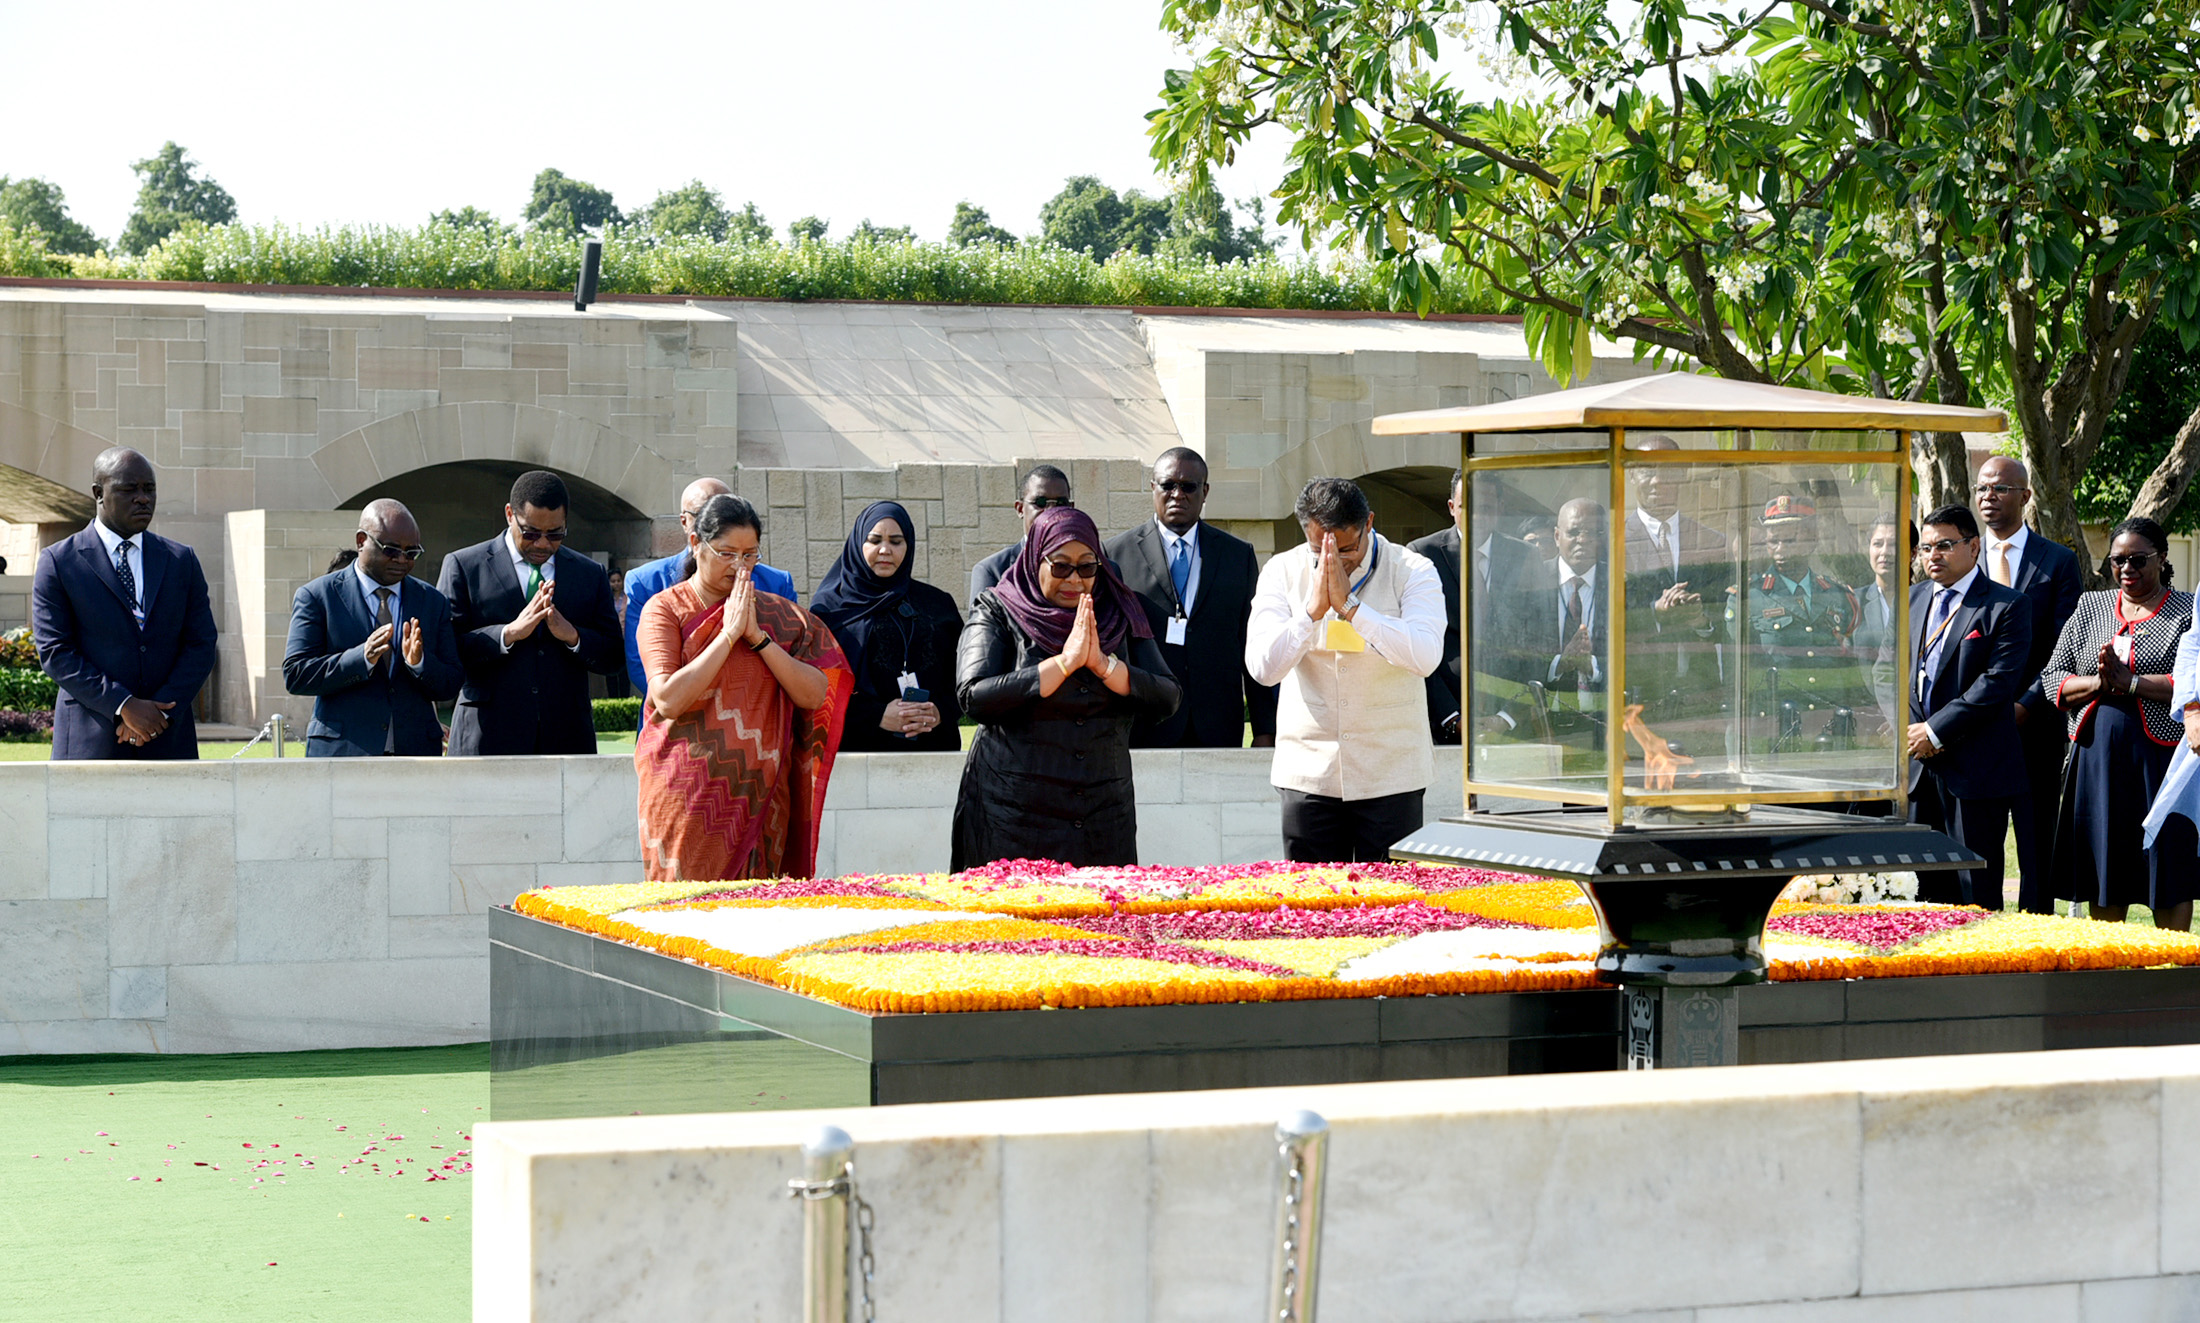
1201 226
691 209
809 229
471 218
565 205
171 195
1920 198
1088 217
748 225
972 225
36 204
2157 413
883 234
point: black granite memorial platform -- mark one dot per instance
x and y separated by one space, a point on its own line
585 1026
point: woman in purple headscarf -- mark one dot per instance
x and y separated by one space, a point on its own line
1056 663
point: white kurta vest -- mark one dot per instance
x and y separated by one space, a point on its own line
1350 725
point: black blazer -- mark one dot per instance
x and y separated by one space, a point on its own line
1972 694
535 698
1220 696
988 572
2050 580
355 711
1529 625
89 642
1443 684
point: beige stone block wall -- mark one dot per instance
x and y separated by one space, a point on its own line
272 553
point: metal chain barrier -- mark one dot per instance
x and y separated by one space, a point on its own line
1302 1150
866 1265
827 1190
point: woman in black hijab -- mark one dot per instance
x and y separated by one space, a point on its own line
1057 662
899 636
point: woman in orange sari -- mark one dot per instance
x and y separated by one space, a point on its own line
746 695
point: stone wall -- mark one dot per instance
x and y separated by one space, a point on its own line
268 905
2044 1187
15 597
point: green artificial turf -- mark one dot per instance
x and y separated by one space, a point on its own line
275 1187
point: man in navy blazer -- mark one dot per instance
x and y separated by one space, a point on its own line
1043 488
533 618
1200 621
645 582
122 623
2046 572
374 647
1970 639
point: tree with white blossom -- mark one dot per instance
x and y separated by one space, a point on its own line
1970 202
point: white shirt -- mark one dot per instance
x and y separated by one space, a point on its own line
1279 633
1933 656
1169 542
112 539
1669 533
1588 584
1990 549
369 588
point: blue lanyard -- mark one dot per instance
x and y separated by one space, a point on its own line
1374 555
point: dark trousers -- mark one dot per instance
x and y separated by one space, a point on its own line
1980 825
1320 830
2045 746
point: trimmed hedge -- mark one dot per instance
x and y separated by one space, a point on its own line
447 257
617 716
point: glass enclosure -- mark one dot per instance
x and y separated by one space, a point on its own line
1686 622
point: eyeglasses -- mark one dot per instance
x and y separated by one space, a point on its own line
1179 488
1945 545
397 553
2136 561
1051 502
1998 489
1064 570
735 557
550 535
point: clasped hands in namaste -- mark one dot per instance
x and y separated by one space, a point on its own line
1082 650
542 610
1329 590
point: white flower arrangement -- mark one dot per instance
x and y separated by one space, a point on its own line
1852 889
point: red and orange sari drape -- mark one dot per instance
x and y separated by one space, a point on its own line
735 787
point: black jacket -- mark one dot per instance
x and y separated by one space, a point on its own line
1048 778
1972 697
2051 581
533 699
89 642
1219 695
354 709
923 641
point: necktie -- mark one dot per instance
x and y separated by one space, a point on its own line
382 613
1665 557
2001 565
1944 603
1180 571
1573 608
129 580
534 581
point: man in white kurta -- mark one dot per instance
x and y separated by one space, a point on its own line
1353 757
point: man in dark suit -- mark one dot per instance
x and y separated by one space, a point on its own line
122 623
1197 583
1043 488
374 647
533 618
1971 639
2046 573
1553 624
1675 564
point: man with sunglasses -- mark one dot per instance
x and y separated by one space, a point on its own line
1043 488
1196 582
373 646
649 580
2046 573
533 618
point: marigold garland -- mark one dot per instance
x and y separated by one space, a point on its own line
1277 932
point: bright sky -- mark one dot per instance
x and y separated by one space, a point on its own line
385 112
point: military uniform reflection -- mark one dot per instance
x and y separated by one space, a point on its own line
1797 623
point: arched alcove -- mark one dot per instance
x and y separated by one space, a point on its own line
460 504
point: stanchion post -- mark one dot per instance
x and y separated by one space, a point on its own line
823 1190
1302 1152
275 724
